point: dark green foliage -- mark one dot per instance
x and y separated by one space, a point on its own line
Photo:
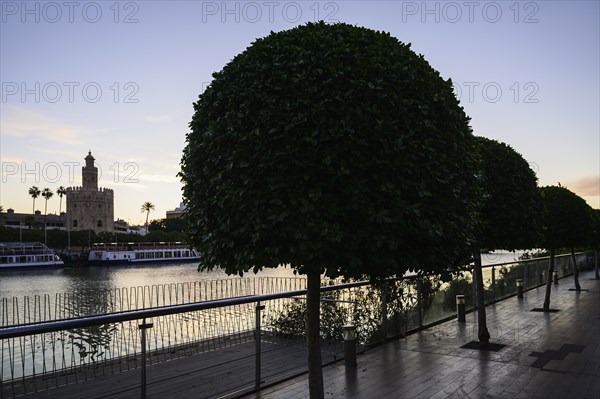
169 225
567 218
58 239
291 321
458 286
595 232
365 312
331 147
429 286
511 201
506 280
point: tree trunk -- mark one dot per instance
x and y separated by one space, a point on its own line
596 268
549 282
483 334
313 322
575 270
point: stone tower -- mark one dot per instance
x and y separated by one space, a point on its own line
90 207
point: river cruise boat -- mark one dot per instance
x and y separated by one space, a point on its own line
141 252
26 255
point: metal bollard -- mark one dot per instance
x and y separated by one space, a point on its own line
349 345
460 307
519 288
555 277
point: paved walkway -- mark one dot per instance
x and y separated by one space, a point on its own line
547 355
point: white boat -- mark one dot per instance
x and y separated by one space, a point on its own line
27 254
141 252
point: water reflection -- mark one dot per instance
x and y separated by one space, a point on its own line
30 282
89 294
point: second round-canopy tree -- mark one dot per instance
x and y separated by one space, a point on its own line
335 150
509 214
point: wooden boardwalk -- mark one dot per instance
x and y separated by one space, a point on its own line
547 355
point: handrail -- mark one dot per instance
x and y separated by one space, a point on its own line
116 317
532 259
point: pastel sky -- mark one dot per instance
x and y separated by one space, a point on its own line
119 79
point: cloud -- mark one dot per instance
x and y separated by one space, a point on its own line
587 186
159 178
10 159
24 123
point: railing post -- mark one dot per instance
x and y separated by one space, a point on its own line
460 308
143 327
257 365
384 320
493 284
420 301
349 345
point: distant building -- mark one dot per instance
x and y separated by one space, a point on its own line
139 230
121 226
27 220
177 212
88 206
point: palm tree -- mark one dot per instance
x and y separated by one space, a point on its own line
60 192
34 192
147 207
1 216
47 194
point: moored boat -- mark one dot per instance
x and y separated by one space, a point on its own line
111 253
27 254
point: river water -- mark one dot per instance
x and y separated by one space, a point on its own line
31 282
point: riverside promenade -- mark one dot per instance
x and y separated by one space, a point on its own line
547 355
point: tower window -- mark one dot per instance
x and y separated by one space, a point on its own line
99 223
75 223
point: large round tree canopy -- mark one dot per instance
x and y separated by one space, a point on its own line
333 147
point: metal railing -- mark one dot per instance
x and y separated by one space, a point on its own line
46 353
